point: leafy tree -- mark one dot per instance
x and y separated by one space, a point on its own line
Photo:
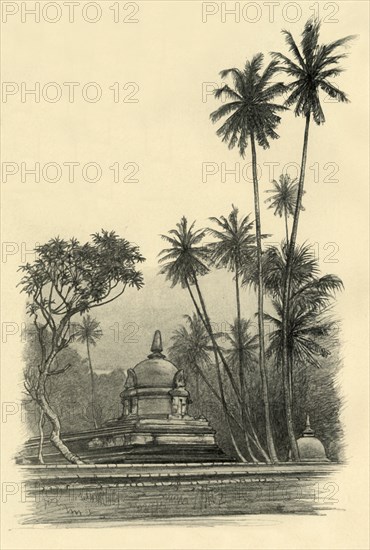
89 332
66 279
32 356
311 67
284 198
67 394
252 116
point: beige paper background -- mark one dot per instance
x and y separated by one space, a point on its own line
170 52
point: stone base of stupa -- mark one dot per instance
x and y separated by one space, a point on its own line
140 440
155 425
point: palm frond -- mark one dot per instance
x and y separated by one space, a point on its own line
311 66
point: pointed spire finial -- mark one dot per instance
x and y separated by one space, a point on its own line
308 431
157 342
157 347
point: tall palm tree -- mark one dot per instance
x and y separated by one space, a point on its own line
183 263
89 332
252 116
311 295
284 198
310 67
235 246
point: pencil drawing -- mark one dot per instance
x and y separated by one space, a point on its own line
242 418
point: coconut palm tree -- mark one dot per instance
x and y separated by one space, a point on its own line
252 116
311 295
310 67
284 199
234 247
308 325
183 263
89 332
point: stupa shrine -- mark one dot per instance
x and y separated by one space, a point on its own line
155 425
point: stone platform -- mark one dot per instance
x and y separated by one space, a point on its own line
134 441
121 493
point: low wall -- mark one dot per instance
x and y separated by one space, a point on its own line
117 493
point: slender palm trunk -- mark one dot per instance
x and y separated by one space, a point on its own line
207 324
262 365
51 415
286 297
231 417
93 403
208 327
246 418
286 227
217 395
241 363
240 346
290 374
224 406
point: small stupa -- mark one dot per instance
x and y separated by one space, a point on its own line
155 425
310 447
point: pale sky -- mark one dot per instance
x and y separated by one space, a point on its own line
173 58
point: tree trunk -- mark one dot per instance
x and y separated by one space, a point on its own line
286 297
54 420
214 392
248 438
93 405
251 454
286 227
265 393
290 375
207 323
240 346
41 432
208 327
241 364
